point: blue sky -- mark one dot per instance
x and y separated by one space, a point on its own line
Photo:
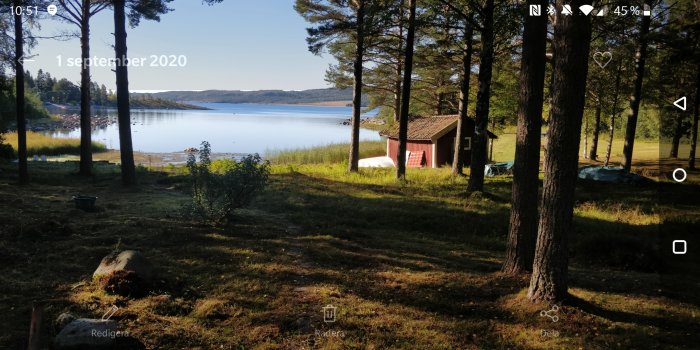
234 45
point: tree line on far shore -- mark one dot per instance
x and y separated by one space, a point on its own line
18 40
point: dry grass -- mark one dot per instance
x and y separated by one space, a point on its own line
41 144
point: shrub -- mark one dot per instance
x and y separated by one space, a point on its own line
219 189
6 151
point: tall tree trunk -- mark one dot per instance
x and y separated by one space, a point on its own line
677 134
613 115
399 65
124 114
572 35
593 154
19 97
635 99
406 91
694 132
458 158
357 89
481 122
85 117
490 141
440 102
397 94
584 150
522 233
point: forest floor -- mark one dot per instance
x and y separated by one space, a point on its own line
407 265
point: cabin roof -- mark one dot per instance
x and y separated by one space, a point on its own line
426 128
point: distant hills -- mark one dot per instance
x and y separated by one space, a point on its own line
314 96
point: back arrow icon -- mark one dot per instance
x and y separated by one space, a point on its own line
22 60
680 103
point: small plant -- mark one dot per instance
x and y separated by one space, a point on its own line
222 187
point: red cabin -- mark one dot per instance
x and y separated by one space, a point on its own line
430 141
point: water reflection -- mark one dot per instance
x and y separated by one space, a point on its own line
232 128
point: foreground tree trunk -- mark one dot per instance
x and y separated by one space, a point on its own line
397 94
19 98
458 158
613 115
399 65
85 117
593 154
635 99
584 150
481 122
571 42
357 89
677 134
124 114
406 92
522 233
694 131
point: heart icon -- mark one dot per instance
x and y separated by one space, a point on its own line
602 58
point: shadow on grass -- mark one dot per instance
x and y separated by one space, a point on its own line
428 251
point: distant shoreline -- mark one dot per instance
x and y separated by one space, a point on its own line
322 104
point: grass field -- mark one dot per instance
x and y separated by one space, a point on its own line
40 144
330 154
504 148
410 265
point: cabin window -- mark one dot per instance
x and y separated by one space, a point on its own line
467 143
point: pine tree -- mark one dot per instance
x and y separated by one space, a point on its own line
79 12
359 21
406 92
523 215
571 44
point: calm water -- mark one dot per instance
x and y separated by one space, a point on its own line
234 128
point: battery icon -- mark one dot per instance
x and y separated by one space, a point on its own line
647 11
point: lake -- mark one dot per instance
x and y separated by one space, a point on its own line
232 128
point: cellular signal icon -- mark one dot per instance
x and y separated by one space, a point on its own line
586 9
601 11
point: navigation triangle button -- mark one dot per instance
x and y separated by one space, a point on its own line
680 103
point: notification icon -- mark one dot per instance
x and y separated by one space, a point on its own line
52 9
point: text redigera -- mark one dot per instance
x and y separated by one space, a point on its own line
108 333
147 61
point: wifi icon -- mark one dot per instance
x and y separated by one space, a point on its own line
586 9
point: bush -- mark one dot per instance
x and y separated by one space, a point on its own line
219 189
6 151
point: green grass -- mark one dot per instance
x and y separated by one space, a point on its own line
410 265
41 144
504 148
329 154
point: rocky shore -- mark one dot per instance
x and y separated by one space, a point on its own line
67 122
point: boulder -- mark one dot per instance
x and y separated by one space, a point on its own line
84 334
128 260
63 320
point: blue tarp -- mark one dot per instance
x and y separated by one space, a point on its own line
610 175
505 168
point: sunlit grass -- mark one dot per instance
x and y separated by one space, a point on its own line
41 144
329 154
